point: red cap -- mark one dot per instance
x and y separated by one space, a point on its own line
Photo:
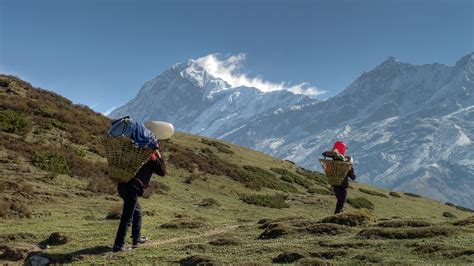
340 146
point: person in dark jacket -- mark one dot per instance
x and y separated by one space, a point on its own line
341 191
129 192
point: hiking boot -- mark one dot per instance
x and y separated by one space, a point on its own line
141 240
116 249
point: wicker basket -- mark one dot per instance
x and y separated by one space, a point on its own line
124 158
336 171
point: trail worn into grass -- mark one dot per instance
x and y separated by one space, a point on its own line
209 233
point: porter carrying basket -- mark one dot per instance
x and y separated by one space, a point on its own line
335 171
124 158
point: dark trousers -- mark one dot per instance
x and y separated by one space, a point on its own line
341 194
131 214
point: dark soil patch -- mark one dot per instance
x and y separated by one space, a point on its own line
288 257
411 233
225 241
275 230
355 218
12 253
404 223
183 224
326 229
21 236
196 260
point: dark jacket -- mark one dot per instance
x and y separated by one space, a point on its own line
351 175
142 178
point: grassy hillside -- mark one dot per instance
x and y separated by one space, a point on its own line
219 202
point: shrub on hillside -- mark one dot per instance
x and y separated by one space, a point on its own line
395 194
373 193
404 223
449 215
412 195
270 201
313 175
13 122
60 125
114 212
355 218
291 177
450 204
50 162
321 191
461 208
360 203
221 147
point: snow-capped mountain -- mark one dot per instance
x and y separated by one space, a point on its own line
409 127
196 102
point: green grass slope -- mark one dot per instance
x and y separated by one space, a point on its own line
219 203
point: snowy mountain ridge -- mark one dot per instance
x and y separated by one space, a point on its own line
410 127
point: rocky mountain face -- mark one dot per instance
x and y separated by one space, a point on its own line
409 127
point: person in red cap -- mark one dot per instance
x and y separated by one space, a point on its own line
339 153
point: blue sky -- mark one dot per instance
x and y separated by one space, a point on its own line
100 52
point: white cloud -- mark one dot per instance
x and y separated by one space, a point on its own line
228 69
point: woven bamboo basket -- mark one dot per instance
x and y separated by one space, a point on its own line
124 158
336 171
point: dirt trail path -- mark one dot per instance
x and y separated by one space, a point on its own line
212 232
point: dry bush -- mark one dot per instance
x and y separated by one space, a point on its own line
4 208
355 218
192 177
157 187
21 209
275 230
114 212
101 185
58 238
208 202
3 186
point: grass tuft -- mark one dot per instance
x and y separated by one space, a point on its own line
271 201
